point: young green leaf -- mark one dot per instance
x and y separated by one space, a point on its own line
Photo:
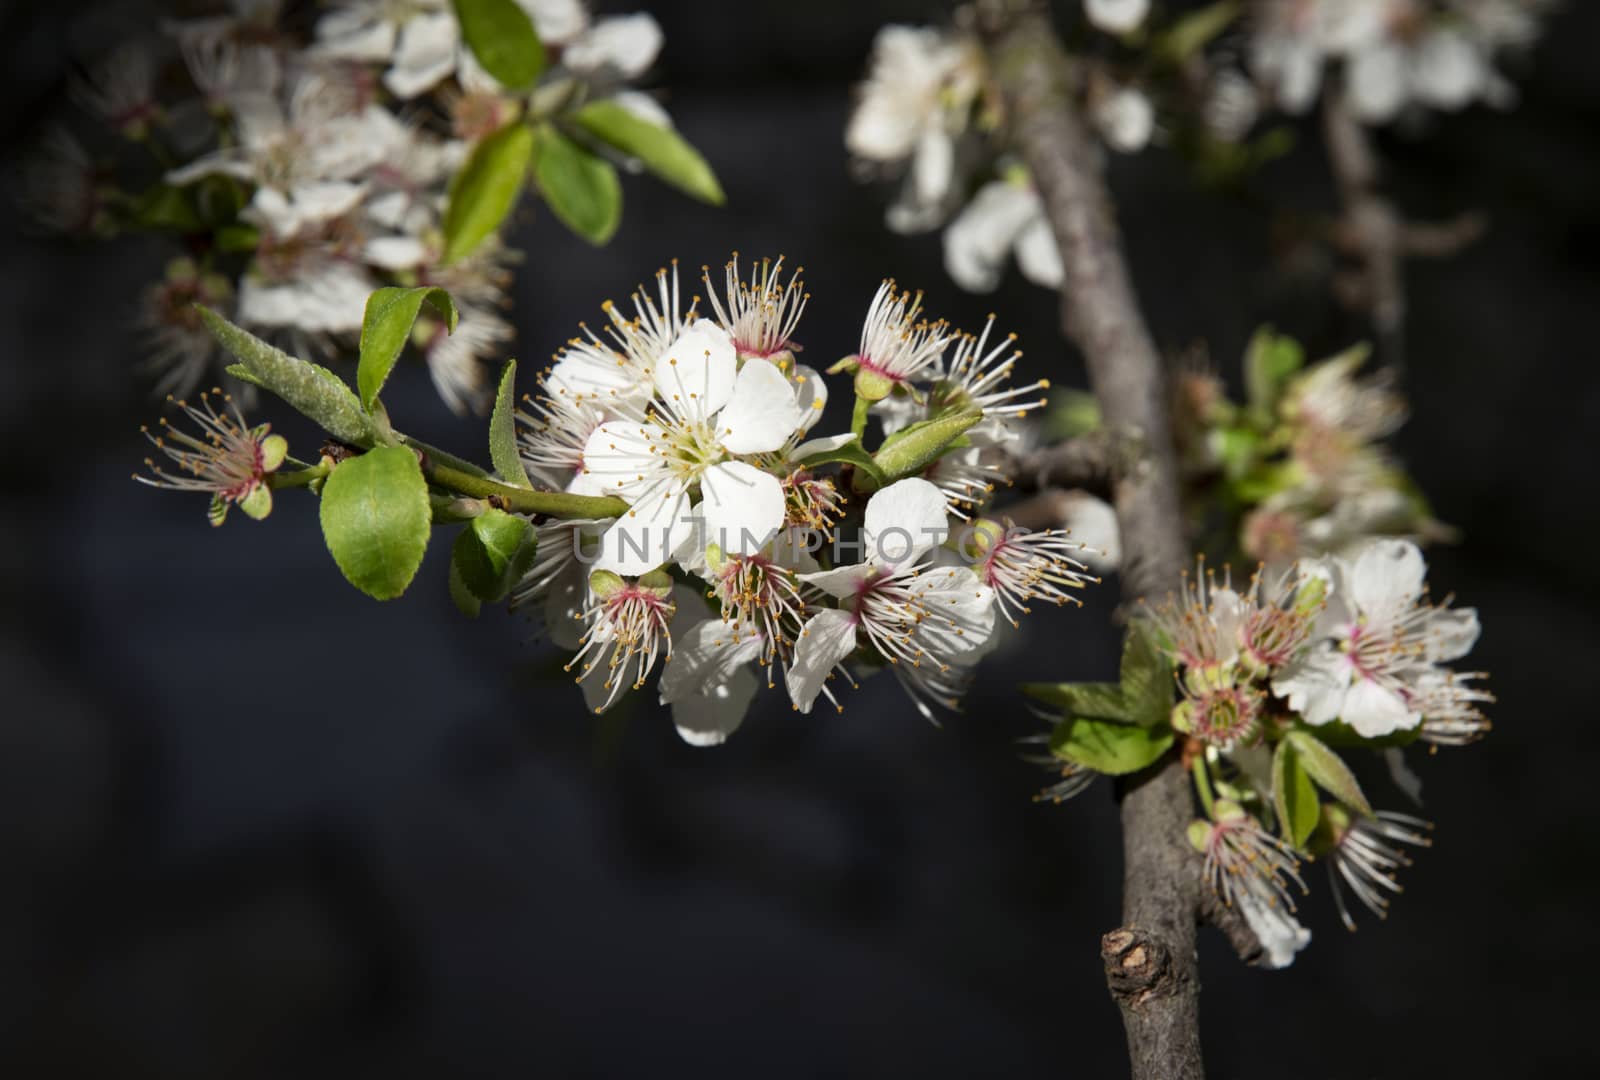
1146 676
376 518
162 206
914 448
1108 747
504 40
661 150
503 431
1328 769
460 595
1190 33
1293 796
493 551
385 329
1098 701
486 188
1269 362
580 188
313 390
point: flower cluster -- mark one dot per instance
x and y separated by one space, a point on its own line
929 114
753 550
1302 465
1342 652
1390 56
299 172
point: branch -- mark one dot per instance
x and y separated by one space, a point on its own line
1151 964
1085 462
1375 233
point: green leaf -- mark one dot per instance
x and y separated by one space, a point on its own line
460 595
491 553
386 327
1146 676
486 188
1108 747
236 238
375 519
165 207
504 40
1098 701
851 453
910 450
1293 796
503 431
312 389
1191 33
580 188
1269 363
661 150
1328 769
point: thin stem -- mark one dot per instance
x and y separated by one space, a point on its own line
557 504
298 478
858 417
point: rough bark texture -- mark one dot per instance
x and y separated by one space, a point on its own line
1151 966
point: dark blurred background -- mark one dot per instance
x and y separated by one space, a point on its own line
254 824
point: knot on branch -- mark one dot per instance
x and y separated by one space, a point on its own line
1140 967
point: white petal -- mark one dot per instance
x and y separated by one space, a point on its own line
708 719
1279 932
1376 82
841 581
903 521
978 241
933 166
1116 16
1375 711
644 106
762 413
645 537
624 457
558 21
563 608
1037 255
1315 684
824 642
353 33
1093 523
426 53
705 655
960 613
1449 72
1386 578
1227 613
395 252
628 44
1452 634
1126 120
695 374
743 507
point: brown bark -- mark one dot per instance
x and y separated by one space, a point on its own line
1151 966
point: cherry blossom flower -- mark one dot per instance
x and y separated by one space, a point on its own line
1381 661
228 460
706 410
1251 871
920 87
